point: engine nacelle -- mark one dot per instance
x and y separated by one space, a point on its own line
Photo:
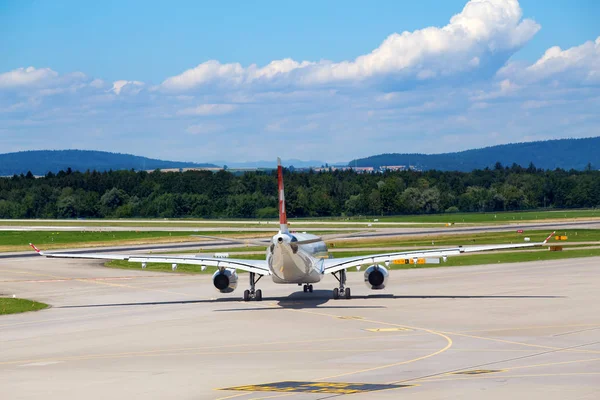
376 277
225 281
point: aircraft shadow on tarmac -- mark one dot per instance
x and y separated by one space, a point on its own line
317 299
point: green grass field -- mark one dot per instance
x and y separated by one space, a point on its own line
491 217
19 240
211 224
359 222
45 238
575 235
14 306
579 235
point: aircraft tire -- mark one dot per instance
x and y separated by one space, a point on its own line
246 295
336 293
258 295
347 293
310 288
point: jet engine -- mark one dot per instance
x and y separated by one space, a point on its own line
225 280
376 277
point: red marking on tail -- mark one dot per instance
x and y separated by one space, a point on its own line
35 248
282 214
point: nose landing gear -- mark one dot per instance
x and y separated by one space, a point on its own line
308 288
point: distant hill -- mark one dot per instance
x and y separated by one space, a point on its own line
40 162
550 154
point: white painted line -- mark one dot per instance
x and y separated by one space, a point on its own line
41 364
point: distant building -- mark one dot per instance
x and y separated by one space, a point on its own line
393 167
165 170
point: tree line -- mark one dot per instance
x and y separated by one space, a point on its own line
204 194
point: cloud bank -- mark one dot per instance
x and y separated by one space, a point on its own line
430 90
485 32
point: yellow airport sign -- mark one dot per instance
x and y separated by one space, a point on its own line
403 261
557 237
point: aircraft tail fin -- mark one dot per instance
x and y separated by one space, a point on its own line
282 215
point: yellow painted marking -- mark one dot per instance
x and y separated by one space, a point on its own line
524 344
387 329
478 371
554 363
513 376
317 387
445 348
521 328
349 317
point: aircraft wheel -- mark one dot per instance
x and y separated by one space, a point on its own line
258 295
336 293
347 293
305 288
310 288
246 295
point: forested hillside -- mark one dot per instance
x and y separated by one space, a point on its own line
39 162
222 194
550 154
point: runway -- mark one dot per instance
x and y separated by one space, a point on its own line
341 234
524 330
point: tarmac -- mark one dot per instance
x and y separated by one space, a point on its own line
519 331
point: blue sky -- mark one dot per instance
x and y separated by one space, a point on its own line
204 81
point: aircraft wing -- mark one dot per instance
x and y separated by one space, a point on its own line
257 266
337 264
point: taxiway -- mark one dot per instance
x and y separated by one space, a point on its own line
523 330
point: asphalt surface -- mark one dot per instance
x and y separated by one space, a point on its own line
533 328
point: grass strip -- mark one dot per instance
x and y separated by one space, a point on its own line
48 240
14 306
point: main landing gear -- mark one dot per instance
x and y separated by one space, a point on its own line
308 288
252 293
342 291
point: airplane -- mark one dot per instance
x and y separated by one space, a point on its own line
296 258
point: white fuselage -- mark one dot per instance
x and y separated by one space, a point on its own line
292 263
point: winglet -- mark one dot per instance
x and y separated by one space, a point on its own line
36 249
282 215
548 238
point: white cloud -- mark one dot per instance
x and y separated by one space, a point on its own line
580 64
484 30
97 83
411 94
23 77
581 61
131 87
208 109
